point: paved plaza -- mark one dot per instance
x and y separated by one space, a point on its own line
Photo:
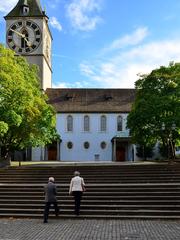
79 229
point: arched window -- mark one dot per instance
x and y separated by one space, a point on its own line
69 123
24 40
86 123
119 123
103 123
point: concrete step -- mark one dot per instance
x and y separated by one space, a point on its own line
85 206
71 216
143 192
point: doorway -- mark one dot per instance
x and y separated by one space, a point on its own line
120 154
52 151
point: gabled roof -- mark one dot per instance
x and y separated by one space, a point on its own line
34 9
88 100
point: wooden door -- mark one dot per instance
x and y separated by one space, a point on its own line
52 151
120 154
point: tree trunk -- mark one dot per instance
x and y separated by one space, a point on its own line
5 159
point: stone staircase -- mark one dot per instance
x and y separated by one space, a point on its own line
113 191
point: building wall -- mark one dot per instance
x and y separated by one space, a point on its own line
94 137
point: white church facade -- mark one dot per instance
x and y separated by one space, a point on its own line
90 122
92 125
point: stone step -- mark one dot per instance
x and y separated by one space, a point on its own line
92 201
125 192
120 212
70 216
86 206
107 197
93 193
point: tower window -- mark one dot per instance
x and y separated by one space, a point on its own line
25 10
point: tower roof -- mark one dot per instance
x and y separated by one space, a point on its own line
34 9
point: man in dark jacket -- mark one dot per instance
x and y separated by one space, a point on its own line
50 198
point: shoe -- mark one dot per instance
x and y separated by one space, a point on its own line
45 222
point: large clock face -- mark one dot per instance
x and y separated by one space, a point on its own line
24 37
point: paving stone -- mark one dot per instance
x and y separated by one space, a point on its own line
34 229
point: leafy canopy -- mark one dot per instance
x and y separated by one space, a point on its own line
157 103
25 117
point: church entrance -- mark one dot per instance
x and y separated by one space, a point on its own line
120 154
120 146
52 151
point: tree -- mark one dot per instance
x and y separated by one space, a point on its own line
155 114
144 151
26 120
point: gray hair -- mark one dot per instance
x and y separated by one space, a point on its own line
76 173
51 179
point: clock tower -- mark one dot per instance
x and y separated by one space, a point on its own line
28 34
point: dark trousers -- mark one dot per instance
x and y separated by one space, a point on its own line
47 207
77 201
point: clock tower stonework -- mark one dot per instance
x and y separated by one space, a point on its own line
28 34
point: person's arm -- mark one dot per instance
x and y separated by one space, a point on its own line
55 190
83 185
82 180
70 187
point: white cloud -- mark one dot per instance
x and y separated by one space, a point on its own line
83 14
121 69
128 40
53 3
86 69
55 23
82 84
7 5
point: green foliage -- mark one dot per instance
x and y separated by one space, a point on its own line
25 117
3 128
157 102
144 152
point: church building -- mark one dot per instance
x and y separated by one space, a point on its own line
91 122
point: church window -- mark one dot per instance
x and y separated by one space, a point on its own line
119 123
103 145
86 123
69 145
103 123
69 123
86 145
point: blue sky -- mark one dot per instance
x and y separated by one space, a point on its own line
106 43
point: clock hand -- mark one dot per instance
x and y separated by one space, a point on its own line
18 33
23 36
28 43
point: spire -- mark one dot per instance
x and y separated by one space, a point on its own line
34 7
